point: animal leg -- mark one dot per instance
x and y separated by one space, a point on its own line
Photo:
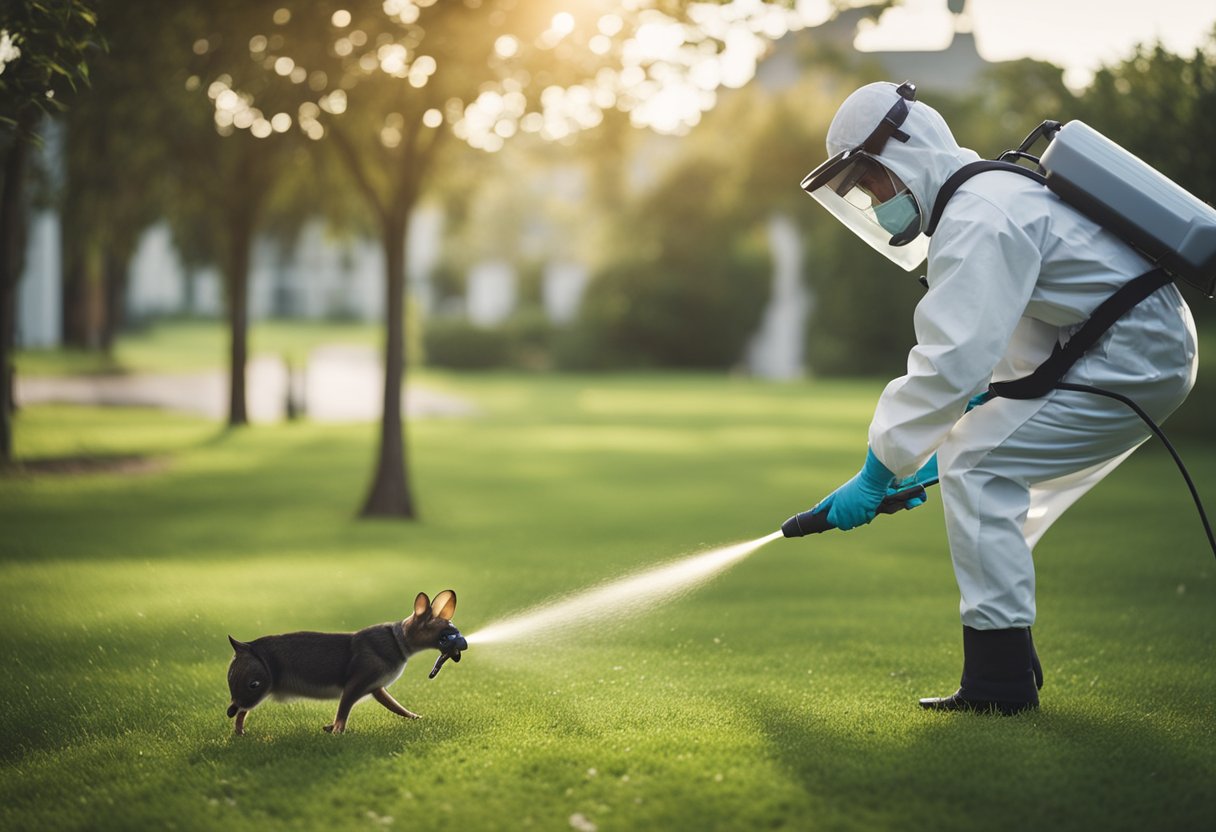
349 697
240 723
386 699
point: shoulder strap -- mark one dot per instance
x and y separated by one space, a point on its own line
1048 374
964 173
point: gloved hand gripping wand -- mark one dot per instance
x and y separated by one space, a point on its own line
812 522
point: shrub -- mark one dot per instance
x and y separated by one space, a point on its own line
522 342
695 313
456 344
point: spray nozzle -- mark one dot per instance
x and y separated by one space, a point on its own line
812 522
450 645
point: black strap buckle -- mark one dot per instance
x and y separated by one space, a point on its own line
888 128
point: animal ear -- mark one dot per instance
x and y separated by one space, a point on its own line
238 646
422 605
445 605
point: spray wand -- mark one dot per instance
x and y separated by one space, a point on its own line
812 522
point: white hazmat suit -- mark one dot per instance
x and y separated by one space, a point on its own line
1012 272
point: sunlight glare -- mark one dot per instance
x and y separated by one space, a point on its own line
404 10
668 76
432 118
562 24
506 46
610 24
390 137
334 103
392 59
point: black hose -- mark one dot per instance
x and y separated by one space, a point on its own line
1156 429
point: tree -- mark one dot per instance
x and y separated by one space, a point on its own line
117 161
44 49
381 78
239 172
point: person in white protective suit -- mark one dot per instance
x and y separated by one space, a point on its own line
1012 272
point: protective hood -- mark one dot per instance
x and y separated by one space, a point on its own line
923 163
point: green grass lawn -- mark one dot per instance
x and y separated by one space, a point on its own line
781 695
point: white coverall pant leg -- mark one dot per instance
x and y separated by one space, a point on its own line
1000 498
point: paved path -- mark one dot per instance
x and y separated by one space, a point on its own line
340 384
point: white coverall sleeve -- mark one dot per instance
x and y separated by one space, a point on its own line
982 270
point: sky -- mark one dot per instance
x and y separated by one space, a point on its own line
1078 35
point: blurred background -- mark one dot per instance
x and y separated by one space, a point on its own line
267 210
538 277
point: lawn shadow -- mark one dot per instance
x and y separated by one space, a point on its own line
78 465
1061 768
128 464
285 773
172 505
379 763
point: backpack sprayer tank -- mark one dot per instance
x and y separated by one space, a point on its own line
1159 218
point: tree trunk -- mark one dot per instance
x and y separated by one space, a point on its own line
12 245
115 290
240 238
255 170
74 314
390 494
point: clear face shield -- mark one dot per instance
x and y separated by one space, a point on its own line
859 192
870 201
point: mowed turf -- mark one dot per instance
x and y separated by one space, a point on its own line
780 695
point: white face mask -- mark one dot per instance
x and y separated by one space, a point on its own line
897 214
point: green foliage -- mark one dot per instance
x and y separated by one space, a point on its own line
861 323
1009 100
779 696
532 336
525 342
55 39
690 284
1159 106
673 312
458 344
132 116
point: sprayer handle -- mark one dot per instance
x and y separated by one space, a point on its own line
899 500
810 522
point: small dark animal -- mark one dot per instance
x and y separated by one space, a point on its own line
344 666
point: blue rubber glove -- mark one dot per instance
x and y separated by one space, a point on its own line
856 502
926 473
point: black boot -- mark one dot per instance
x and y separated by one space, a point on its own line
1034 661
1001 674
